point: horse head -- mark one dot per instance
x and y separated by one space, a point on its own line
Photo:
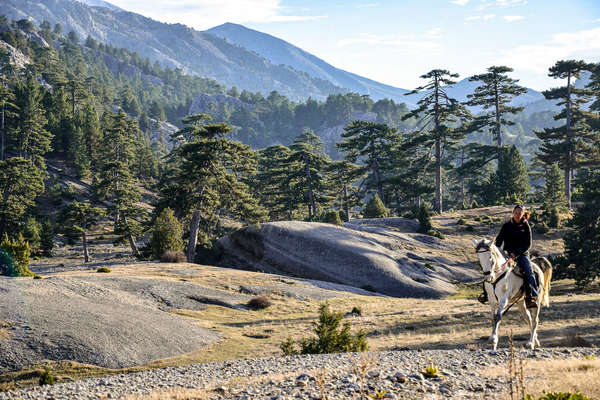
489 258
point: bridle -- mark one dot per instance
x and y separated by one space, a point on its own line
494 270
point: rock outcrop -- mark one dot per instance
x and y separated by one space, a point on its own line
388 257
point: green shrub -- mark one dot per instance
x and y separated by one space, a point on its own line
431 371
553 217
477 218
288 347
46 378
474 204
424 218
375 208
171 256
47 238
104 270
68 192
259 303
19 251
368 288
166 234
356 310
428 266
461 221
331 338
333 217
36 276
469 228
31 233
558 396
8 267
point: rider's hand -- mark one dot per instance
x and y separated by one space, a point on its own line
512 255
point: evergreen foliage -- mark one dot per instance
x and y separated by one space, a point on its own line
81 217
333 217
511 180
19 252
32 233
375 208
47 238
343 176
424 218
581 259
437 129
573 144
331 338
166 234
554 199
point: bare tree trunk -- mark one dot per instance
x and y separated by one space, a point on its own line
346 208
311 197
498 127
193 239
438 152
86 256
569 166
130 237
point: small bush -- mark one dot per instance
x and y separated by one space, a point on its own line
477 218
104 270
368 288
469 228
19 252
259 303
356 311
428 266
333 217
375 208
171 256
31 233
424 218
461 221
558 396
431 371
46 378
47 238
331 338
553 217
166 234
36 276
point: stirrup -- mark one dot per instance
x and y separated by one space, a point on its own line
530 302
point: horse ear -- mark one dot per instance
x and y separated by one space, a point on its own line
475 242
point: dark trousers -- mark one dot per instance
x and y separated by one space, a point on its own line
530 281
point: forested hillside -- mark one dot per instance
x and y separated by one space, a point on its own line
97 113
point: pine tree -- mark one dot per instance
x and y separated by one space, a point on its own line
375 208
581 257
554 199
47 238
20 253
310 166
8 110
496 92
207 179
88 122
573 144
437 112
81 217
33 140
116 183
166 234
343 175
20 184
369 142
31 233
511 180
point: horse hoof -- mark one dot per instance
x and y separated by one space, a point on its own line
530 345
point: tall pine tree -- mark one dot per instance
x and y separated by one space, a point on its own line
573 144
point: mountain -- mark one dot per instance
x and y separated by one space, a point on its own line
100 3
173 45
281 52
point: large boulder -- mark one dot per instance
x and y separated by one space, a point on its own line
388 259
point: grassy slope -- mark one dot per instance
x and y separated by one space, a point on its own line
391 323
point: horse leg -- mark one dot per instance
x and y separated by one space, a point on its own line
497 318
527 316
535 322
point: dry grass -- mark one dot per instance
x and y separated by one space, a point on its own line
573 375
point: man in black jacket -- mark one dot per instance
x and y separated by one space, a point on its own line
515 235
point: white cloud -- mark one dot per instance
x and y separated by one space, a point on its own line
537 58
485 17
203 14
513 18
501 3
434 33
459 2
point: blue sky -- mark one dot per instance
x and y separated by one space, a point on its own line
396 41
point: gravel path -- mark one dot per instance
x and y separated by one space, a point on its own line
398 372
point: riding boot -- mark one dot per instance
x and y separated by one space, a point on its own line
531 292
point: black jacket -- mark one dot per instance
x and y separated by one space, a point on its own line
516 237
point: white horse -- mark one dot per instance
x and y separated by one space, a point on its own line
504 287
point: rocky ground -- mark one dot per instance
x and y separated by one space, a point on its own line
391 375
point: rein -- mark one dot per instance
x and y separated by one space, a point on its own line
501 272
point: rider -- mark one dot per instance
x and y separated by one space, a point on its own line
516 237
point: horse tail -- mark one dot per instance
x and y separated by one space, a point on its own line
546 268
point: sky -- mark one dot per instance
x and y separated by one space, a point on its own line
396 41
